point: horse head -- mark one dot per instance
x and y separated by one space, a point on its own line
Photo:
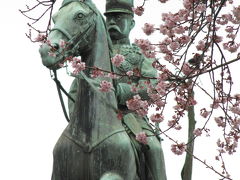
74 24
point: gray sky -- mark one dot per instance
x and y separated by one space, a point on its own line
31 116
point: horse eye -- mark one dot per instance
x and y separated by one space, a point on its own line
80 15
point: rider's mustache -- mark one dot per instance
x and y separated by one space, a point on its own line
114 27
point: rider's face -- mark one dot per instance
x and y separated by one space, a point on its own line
119 25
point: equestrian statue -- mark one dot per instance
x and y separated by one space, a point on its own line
96 145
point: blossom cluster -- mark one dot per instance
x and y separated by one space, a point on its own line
138 105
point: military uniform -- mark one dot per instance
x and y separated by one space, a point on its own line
131 121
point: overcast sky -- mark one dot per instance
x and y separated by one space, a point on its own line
31 119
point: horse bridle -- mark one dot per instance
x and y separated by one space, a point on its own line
80 37
74 43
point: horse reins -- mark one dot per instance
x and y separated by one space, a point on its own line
76 40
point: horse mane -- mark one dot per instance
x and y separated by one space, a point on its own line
94 8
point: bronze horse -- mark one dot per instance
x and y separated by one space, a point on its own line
94 145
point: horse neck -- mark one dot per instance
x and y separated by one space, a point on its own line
95 111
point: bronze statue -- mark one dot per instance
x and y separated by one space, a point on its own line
119 21
94 145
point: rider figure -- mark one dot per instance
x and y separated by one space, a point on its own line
119 21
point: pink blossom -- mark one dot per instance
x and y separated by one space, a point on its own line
186 69
209 19
174 45
138 11
236 123
141 137
105 86
229 29
112 75
188 4
161 88
120 115
204 113
40 37
235 110
143 44
78 65
219 121
136 104
159 103
178 127
217 38
148 28
169 57
156 118
184 39
236 13
197 132
201 7
129 73
201 45
231 46
178 149
231 36
134 89
192 102
179 30
97 73
149 54
62 43
163 48
164 29
117 60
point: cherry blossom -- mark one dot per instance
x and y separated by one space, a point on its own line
142 137
117 60
156 118
62 43
178 149
129 73
97 73
78 65
204 113
138 11
220 121
235 109
138 105
231 46
186 69
236 13
40 37
197 132
105 86
148 28
174 45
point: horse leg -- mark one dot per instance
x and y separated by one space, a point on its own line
115 156
70 162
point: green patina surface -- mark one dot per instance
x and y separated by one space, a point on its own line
95 143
